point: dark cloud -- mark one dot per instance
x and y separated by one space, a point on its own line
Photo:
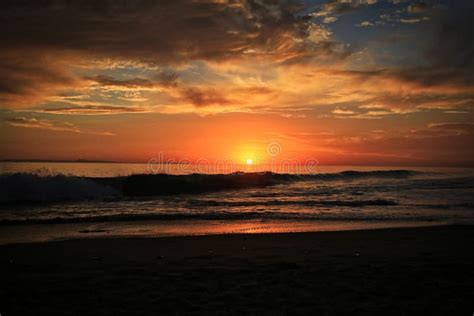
435 76
462 127
416 100
443 130
143 31
151 31
453 39
27 78
255 90
450 53
42 41
204 97
197 96
201 97
448 57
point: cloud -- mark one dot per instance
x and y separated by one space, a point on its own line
452 44
410 21
157 32
161 80
198 96
93 110
401 16
429 76
365 24
343 112
204 97
443 129
50 125
449 55
342 6
329 19
456 112
44 42
413 87
464 127
28 78
420 7
363 112
403 90
57 49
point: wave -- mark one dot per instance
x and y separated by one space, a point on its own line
33 188
216 216
351 203
25 187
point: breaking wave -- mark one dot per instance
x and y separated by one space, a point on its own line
33 188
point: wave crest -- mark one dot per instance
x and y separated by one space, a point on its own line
24 187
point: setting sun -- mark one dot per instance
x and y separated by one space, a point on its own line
249 161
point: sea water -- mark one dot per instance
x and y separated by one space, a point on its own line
44 201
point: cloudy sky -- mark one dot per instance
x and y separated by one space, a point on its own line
342 81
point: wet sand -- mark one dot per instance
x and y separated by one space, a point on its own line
428 270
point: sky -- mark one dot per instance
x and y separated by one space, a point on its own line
345 82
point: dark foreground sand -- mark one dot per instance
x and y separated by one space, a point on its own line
395 271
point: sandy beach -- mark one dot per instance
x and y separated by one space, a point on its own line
427 270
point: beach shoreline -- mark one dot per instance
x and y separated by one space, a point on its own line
393 270
34 232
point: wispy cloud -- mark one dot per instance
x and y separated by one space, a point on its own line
365 24
51 125
161 79
410 21
93 110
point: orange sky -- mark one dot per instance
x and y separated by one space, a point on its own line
341 82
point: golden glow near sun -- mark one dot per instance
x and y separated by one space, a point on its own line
249 161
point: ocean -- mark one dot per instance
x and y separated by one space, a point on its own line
49 201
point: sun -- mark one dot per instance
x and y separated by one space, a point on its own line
249 161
